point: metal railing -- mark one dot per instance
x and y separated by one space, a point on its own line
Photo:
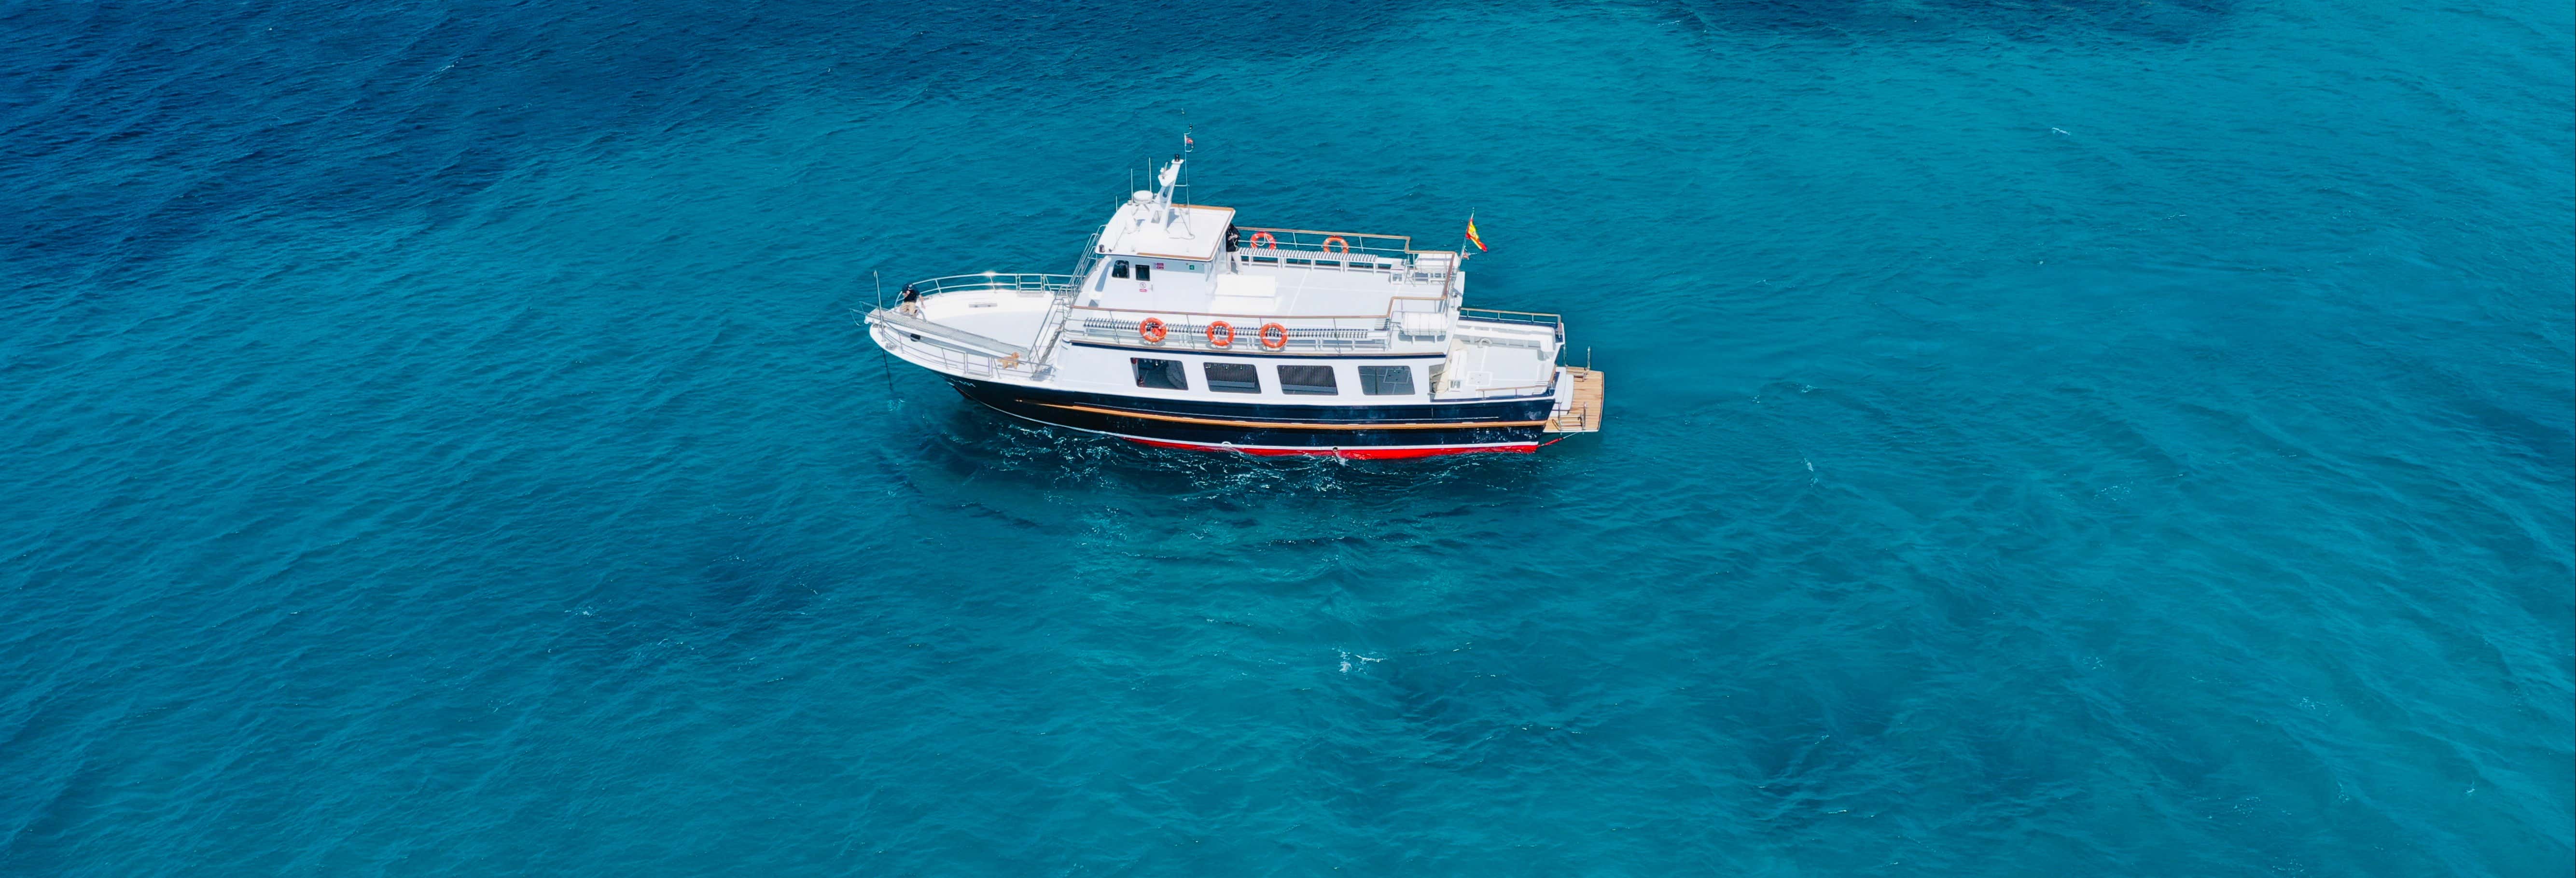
1554 322
1091 255
1253 240
1061 287
1335 333
1298 248
954 361
1326 259
1523 318
1547 389
1498 315
915 326
1406 273
1194 331
1026 282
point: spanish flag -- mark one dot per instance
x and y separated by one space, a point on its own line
1472 237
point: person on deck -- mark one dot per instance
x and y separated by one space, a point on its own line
911 300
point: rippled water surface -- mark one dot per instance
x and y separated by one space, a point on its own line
2069 438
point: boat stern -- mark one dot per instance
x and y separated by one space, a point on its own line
1579 395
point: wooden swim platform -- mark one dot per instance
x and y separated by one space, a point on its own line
1583 415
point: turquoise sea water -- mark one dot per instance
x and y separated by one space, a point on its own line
2083 438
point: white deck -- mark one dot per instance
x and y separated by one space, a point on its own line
1002 315
1493 356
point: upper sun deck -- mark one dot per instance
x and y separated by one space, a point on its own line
1157 254
1267 272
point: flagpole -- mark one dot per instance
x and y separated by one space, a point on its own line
1449 280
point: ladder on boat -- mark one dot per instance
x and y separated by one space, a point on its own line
1059 312
1581 413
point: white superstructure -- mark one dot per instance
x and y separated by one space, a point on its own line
1170 282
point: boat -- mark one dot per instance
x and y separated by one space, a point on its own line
1179 328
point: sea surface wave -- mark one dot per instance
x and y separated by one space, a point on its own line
2057 438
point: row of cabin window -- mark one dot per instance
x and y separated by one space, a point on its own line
1144 271
1302 380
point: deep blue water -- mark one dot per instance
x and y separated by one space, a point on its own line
2045 438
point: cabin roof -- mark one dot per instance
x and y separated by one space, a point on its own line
1181 231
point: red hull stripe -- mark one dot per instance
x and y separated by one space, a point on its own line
1360 453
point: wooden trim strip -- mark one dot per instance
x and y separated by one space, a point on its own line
1285 425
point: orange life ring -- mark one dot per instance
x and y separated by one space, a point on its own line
1265 336
1227 340
1152 329
1265 241
1336 239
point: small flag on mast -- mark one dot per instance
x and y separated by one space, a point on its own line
1472 237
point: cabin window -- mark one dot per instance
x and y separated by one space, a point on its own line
1386 380
1164 374
1435 376
1118 268
1314 380
1144 272
1233 378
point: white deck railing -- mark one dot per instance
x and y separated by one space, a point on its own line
1523 318
1359 245
921 339
1408 321
1033 284
951 360
1517 390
